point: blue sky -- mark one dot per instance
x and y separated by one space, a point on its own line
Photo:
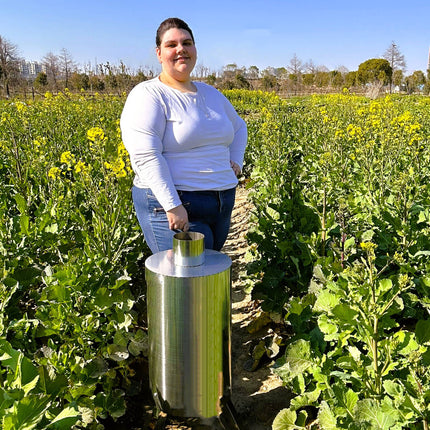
245 32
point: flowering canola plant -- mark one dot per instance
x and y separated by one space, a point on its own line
340 253
70 245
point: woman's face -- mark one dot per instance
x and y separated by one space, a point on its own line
177 54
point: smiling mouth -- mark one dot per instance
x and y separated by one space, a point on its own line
182 58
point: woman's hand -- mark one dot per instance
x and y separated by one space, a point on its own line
235 167
178 218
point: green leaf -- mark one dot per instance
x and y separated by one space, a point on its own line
426 357
367 236
52 228
422 331
345 313
385 285
285 420
21 203
113 402
51 384
296 360
349 243
26 413
329 328
104 298
96 368
117 352
393 389
306 399
371 412
346 399
326 418
24 222
405 342
58 293
139 343
25 373
65 419
326 301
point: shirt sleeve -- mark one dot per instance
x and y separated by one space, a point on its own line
143 122
238 146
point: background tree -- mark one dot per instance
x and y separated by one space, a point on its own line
79 81
211 79
308 79
67 66
269 82
201 71
229 71
336 79
41 80
253 72
51 64
96 84
415 82
9 64
396 59
322 77
310 67
296 69
397 78
374 70
427 84
350 79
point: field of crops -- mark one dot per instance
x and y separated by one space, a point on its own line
340 248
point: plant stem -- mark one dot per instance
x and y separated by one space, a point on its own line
323 226
375 355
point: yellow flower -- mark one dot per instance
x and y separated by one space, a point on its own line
67 157
54 172
20 107
95 133
117 168
368 246
81 167
37 145
121 149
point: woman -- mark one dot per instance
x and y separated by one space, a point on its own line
186 145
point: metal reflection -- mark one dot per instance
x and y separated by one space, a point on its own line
189 320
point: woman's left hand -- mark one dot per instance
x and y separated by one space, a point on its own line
235 167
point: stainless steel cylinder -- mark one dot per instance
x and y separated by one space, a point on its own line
189 327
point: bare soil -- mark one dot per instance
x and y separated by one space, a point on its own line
257 395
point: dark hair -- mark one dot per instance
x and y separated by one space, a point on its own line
169 23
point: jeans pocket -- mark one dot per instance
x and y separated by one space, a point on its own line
186 203
158 210
154 206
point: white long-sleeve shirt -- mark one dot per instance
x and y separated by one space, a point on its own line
181 141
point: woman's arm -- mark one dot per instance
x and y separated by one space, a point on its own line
143 122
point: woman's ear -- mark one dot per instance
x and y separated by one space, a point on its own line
158 52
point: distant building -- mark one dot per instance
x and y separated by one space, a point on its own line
428 61
30 69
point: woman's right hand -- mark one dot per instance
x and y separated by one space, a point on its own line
178 218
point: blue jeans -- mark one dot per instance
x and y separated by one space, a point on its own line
209 213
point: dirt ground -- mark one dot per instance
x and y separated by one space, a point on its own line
257 395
